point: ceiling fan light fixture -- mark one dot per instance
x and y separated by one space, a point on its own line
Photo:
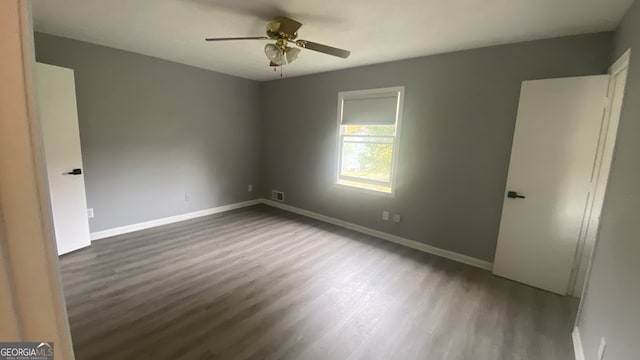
292 54
274 54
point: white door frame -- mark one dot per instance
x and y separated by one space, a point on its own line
584 251
32 306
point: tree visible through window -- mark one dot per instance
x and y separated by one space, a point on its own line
368 138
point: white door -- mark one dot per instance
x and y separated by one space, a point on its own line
552 164
61 138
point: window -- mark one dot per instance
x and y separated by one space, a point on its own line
369 124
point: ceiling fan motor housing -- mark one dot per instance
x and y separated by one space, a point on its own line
283 28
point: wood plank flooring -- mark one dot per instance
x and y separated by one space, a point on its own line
261 283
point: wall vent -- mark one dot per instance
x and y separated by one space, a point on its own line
277 195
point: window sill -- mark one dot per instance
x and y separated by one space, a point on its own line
338 185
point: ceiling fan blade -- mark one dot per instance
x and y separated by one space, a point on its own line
288 25
323 48
238 38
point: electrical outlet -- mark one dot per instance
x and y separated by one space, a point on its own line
601 348
90 213
385 215
277 195
250 188
396 218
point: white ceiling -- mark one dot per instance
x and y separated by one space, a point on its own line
374 30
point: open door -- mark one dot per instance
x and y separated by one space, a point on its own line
63 156
550 179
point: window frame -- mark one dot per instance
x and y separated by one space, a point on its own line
366 94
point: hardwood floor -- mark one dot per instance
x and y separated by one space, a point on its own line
261 283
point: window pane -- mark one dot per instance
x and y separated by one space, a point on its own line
388 130
368 161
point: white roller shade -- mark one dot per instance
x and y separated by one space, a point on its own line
378 110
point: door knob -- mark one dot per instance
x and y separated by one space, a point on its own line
514 195
73 172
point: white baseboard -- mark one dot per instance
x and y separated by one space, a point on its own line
170 220
577 344
365 230
386 236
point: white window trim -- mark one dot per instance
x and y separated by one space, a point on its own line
396 143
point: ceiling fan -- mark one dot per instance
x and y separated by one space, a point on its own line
285 31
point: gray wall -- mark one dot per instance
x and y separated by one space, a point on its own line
612 303
459 116
153 131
